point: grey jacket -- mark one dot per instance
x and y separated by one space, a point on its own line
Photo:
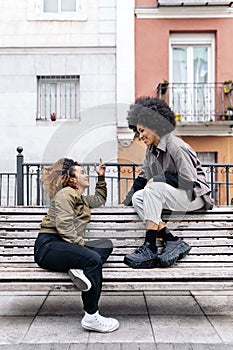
175 162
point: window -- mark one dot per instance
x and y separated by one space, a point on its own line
57 10
58 97
192 75
57 6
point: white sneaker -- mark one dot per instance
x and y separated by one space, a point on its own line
79 279
98 323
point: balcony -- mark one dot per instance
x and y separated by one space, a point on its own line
199 102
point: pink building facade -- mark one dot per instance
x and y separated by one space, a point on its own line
188 44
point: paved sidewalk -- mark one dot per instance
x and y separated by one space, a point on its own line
148 321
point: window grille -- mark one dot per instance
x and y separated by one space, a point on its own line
58 97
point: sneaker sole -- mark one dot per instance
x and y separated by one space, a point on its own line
184 253
78 282
150 264
167 263
171 261
89 328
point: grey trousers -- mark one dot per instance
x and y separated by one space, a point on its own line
157 196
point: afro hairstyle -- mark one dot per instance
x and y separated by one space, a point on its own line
153 113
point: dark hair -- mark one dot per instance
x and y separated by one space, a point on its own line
59 175
152 113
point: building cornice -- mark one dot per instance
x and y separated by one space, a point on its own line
220 128
184 12
58 50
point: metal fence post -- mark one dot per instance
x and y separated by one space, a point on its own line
20 187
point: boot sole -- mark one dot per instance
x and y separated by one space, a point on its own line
183 254
169 262
150 264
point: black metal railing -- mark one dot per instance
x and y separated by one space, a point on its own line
198 102
25 188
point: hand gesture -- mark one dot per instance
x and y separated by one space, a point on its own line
101 168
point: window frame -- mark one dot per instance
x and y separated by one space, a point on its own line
189 40
36 12
58 81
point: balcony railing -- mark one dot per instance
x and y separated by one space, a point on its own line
25 188
200 102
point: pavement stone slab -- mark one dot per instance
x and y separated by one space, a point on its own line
51 347
138 346
224 327
20 305
79 347
216 305
113 305
183 329
136 329
202 346
13 329
66 305
56 329
17 347
172 305
212 346
221 347
183 347
164 347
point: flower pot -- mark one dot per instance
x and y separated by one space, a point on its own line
53 117
163 88
227 87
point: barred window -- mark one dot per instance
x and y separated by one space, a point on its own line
58 97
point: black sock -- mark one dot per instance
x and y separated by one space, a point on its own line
151 238
166 235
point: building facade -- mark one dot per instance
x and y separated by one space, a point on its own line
182 54
60 91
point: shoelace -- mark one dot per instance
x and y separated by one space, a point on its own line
140 249
102 322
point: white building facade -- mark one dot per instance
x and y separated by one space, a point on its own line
68 60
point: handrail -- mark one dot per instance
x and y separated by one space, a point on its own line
25 188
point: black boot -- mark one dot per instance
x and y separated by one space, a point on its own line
175 248
144 257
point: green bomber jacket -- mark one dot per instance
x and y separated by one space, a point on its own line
69 212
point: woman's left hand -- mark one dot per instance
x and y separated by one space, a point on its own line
100 169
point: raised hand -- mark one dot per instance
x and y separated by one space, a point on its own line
100 169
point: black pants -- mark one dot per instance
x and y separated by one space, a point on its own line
53 253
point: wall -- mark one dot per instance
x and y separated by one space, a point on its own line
31 47
152 48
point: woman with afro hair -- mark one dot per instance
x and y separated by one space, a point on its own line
60 245
171 178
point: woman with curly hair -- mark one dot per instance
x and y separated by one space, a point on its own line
60 245
171 178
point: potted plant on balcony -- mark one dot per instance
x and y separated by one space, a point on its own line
229 112
227 86
162 87
178 117
53 117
